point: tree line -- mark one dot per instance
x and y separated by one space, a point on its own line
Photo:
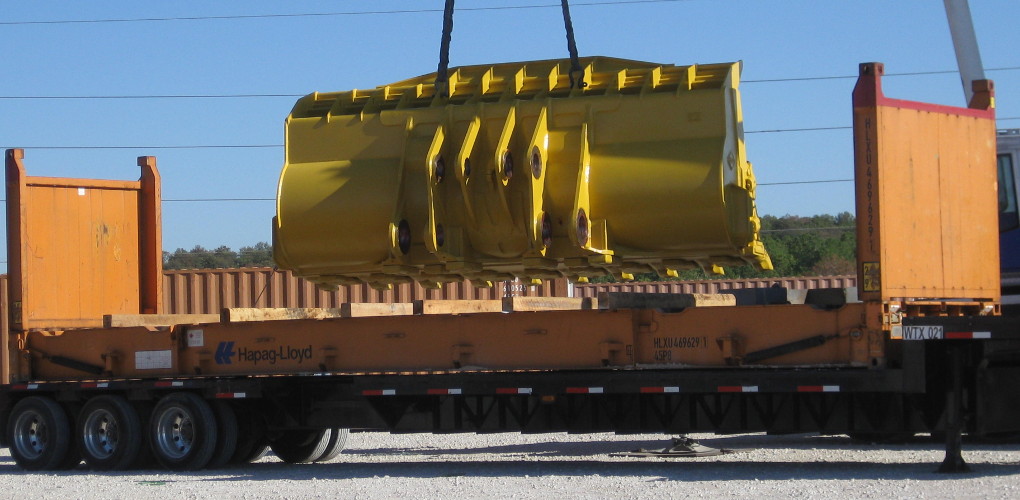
820 245
222 257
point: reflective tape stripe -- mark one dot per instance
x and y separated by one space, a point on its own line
738 388
513 390
968 335
170 383
379 392
817 388
444 391
231 395
654 390
585 390
90 385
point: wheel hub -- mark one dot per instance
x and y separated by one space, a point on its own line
31 435
102 434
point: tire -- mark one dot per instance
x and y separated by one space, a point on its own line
226 434
301 446
39 435
110 433
251 438
253 454
337 442
145 459
73 458
182 432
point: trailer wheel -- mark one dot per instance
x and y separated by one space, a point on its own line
301 446
39 434
110 433
145 459
252 454
226 434
337 443
251 438
182 432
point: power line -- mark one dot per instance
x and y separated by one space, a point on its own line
257 146
809 129
190 146
803 182
217 199
214 200
200 199
292 96
157 96
852 77
329 14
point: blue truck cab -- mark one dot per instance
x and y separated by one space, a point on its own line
1008 145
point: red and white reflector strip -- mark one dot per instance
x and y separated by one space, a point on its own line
658 390
170 383
379 392
95 385
738 388
513 390
231 395
585 390
968 335
817 388
444 392
22 387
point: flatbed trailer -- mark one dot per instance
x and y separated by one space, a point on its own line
923 350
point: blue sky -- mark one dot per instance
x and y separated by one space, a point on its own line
776 39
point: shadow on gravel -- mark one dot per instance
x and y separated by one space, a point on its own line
737 442
582 459
658 470
654 470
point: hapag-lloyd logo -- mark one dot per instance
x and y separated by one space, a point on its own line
225 354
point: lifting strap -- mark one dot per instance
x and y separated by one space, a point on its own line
442 78
575 65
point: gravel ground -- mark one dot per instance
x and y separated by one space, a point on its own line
378 465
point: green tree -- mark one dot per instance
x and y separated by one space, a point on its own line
798 246
223 257
259 255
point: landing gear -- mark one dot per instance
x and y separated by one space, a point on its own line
680 447
954 415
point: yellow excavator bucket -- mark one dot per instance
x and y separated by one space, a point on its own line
516 174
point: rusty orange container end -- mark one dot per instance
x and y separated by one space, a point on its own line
927 232
518 175
79 248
